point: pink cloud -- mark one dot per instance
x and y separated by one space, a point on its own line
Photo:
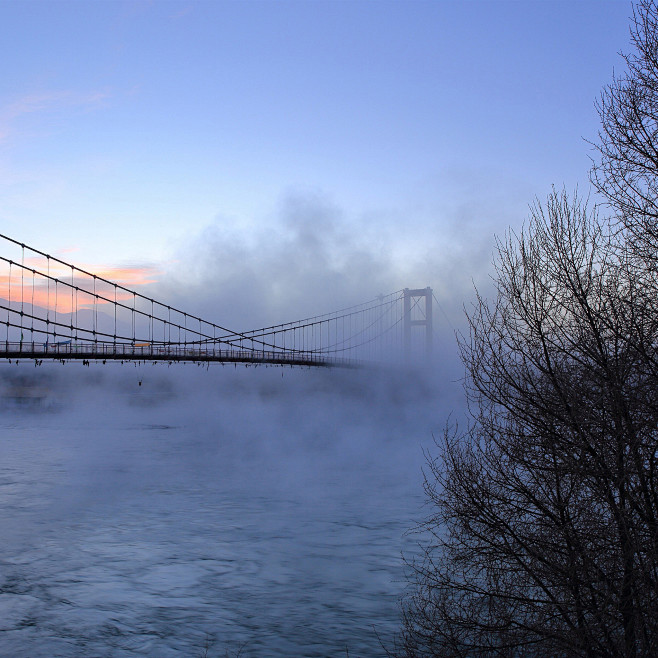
41 291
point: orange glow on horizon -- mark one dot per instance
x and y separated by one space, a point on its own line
57 296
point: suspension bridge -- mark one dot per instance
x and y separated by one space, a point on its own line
52 309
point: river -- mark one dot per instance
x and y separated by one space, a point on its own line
156 511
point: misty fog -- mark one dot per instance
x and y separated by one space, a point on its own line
153 509
312 257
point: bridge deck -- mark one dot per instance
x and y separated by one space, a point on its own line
171 354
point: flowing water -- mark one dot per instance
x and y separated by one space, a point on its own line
207 513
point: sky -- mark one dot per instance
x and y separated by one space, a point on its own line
291 157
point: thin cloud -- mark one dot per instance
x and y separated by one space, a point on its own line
46 102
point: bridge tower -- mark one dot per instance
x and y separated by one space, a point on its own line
421 318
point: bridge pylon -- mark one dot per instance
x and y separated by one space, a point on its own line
415 316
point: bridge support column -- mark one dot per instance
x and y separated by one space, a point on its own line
417 319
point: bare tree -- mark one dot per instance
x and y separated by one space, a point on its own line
544 531
626 173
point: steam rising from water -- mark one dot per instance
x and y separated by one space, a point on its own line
255 507
312 258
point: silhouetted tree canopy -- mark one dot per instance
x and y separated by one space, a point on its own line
543 537
628 140
545 525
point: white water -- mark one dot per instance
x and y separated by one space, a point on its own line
208 512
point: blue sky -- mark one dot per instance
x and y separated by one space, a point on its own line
138 132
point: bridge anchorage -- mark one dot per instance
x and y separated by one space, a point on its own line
55 310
